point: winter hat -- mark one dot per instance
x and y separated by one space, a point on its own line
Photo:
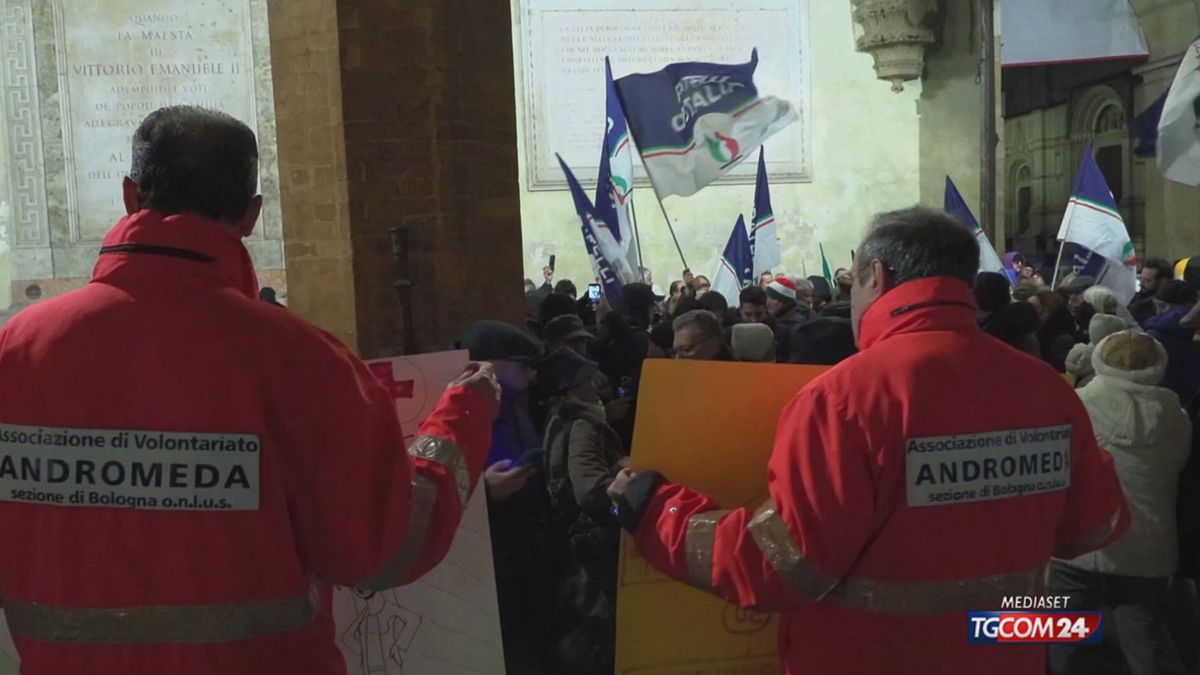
782 288
1131 355
565 328
1077 283
1103 325
1102 299
992 291
753 342
564 369
498 341
820 288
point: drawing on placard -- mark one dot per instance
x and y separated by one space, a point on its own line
382 632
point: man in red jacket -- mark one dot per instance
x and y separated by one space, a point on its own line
185 469
934 473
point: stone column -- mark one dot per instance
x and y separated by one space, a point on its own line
430 131
312 164
398 115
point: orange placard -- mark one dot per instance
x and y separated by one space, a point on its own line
711 426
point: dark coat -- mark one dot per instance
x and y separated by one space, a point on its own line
1142 307
785 327
823 341
1183 367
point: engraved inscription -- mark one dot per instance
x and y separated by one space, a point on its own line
563 50
119 63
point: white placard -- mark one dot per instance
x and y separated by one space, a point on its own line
564 42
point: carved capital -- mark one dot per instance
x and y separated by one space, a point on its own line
895 33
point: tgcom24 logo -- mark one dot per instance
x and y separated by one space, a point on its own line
1034 620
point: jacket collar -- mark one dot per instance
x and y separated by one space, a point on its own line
929 304
207 249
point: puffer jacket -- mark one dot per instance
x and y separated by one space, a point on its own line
1148 434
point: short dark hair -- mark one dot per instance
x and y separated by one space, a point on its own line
919 242
566 287
556 305
715 303
192 160
992 291
1175 292
637 300
686 304
1162 268
707 322
752 295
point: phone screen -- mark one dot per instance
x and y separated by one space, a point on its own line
594 292
552 259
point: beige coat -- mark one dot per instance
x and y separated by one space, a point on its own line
1149 436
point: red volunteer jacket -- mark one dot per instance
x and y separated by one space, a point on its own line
184 469
932 474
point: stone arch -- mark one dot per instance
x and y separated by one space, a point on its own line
1021 197
1101 115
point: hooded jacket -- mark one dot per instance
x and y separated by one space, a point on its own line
903 493
1149 437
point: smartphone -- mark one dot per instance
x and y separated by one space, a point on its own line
532 459
594 293
552 259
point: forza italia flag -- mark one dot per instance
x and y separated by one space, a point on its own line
1093 221
694 121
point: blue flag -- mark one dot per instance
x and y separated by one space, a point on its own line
736 269
614 185
764 240
694 121
954 204
1145 128
607 263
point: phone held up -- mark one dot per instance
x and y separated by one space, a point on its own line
594 293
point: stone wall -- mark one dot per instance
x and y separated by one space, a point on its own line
56 126
1053 111
865 158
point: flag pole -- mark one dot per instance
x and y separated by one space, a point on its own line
667 218
637 237
1062 246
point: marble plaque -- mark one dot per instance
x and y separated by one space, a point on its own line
119 60
564 42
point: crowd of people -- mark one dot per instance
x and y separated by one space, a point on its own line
570 378
870 572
